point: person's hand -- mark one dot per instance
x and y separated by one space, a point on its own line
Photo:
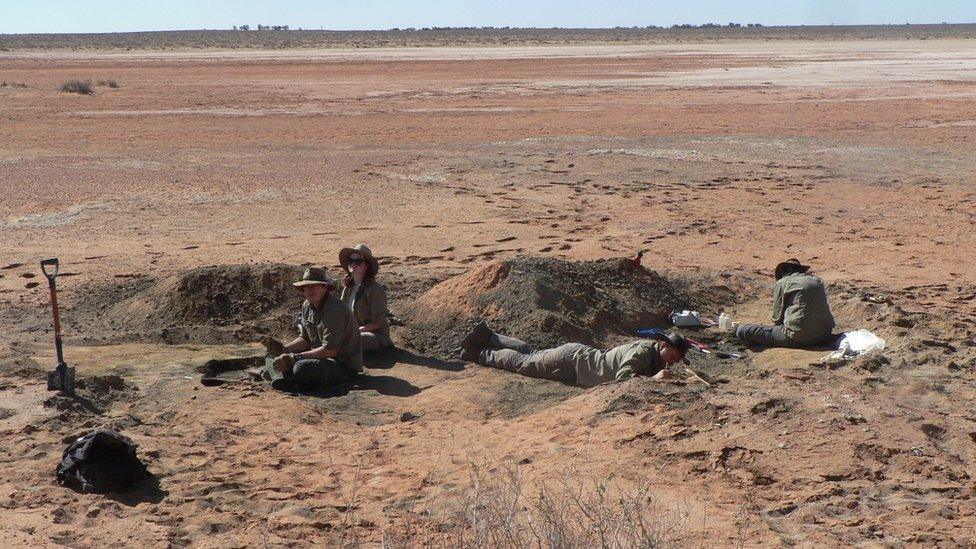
273 346
663 375
284 363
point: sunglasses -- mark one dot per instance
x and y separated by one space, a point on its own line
356 261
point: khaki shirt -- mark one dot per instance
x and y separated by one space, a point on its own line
370 307
333 327
596 366
800 306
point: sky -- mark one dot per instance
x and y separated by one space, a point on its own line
89 16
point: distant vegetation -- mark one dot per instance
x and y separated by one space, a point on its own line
263 28
110 83
82 87
5 84
273 37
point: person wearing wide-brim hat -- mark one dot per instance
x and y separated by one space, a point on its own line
365 297
575 363
801 315
327 350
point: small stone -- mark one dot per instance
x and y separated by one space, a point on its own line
408 416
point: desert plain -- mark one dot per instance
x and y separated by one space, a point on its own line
719 157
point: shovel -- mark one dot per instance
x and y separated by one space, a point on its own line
61 378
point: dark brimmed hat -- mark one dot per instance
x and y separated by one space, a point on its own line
790 266
362 250
676 341
314 276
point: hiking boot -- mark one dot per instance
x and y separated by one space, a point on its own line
473 343
285 384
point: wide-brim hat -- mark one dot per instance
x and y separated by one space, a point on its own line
314 276
789 266
362 250
676 341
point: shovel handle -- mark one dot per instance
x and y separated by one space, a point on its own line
52 262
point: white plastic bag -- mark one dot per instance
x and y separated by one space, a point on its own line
856 343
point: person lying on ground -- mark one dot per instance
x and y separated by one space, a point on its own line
801 315
365 297
574 363
327 350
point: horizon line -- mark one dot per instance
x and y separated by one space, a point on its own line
677 26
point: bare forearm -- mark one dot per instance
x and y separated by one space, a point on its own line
318 353
296 345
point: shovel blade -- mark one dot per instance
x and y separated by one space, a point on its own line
61 379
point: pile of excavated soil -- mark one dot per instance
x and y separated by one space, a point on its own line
207 304
548 302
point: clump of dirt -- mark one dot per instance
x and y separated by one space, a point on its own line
22 367
548 302
213 304
93 396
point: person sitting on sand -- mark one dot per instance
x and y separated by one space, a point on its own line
801 316
574 363
327 350
365 297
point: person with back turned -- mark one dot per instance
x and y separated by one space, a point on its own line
801 315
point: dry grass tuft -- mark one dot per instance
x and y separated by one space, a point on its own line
578 509
81 87
110 83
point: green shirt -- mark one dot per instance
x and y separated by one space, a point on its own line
333 327
370 307
800 306
596 366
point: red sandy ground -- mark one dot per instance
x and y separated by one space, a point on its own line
855 156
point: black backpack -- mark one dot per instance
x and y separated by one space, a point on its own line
101 461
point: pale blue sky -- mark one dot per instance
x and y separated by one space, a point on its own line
38 16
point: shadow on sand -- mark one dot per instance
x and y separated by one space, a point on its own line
147 491
384 385
387 359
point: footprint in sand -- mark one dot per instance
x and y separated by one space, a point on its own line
13 266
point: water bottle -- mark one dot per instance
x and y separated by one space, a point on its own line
724 322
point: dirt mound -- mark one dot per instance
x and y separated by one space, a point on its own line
210 304
550 301
93 396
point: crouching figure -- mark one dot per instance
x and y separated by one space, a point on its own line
574 363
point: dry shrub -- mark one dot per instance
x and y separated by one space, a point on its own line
82 87
110 83
578 509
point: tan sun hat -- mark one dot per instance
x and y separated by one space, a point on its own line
315 276
362 250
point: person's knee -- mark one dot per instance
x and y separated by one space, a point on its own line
307 372
369 342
